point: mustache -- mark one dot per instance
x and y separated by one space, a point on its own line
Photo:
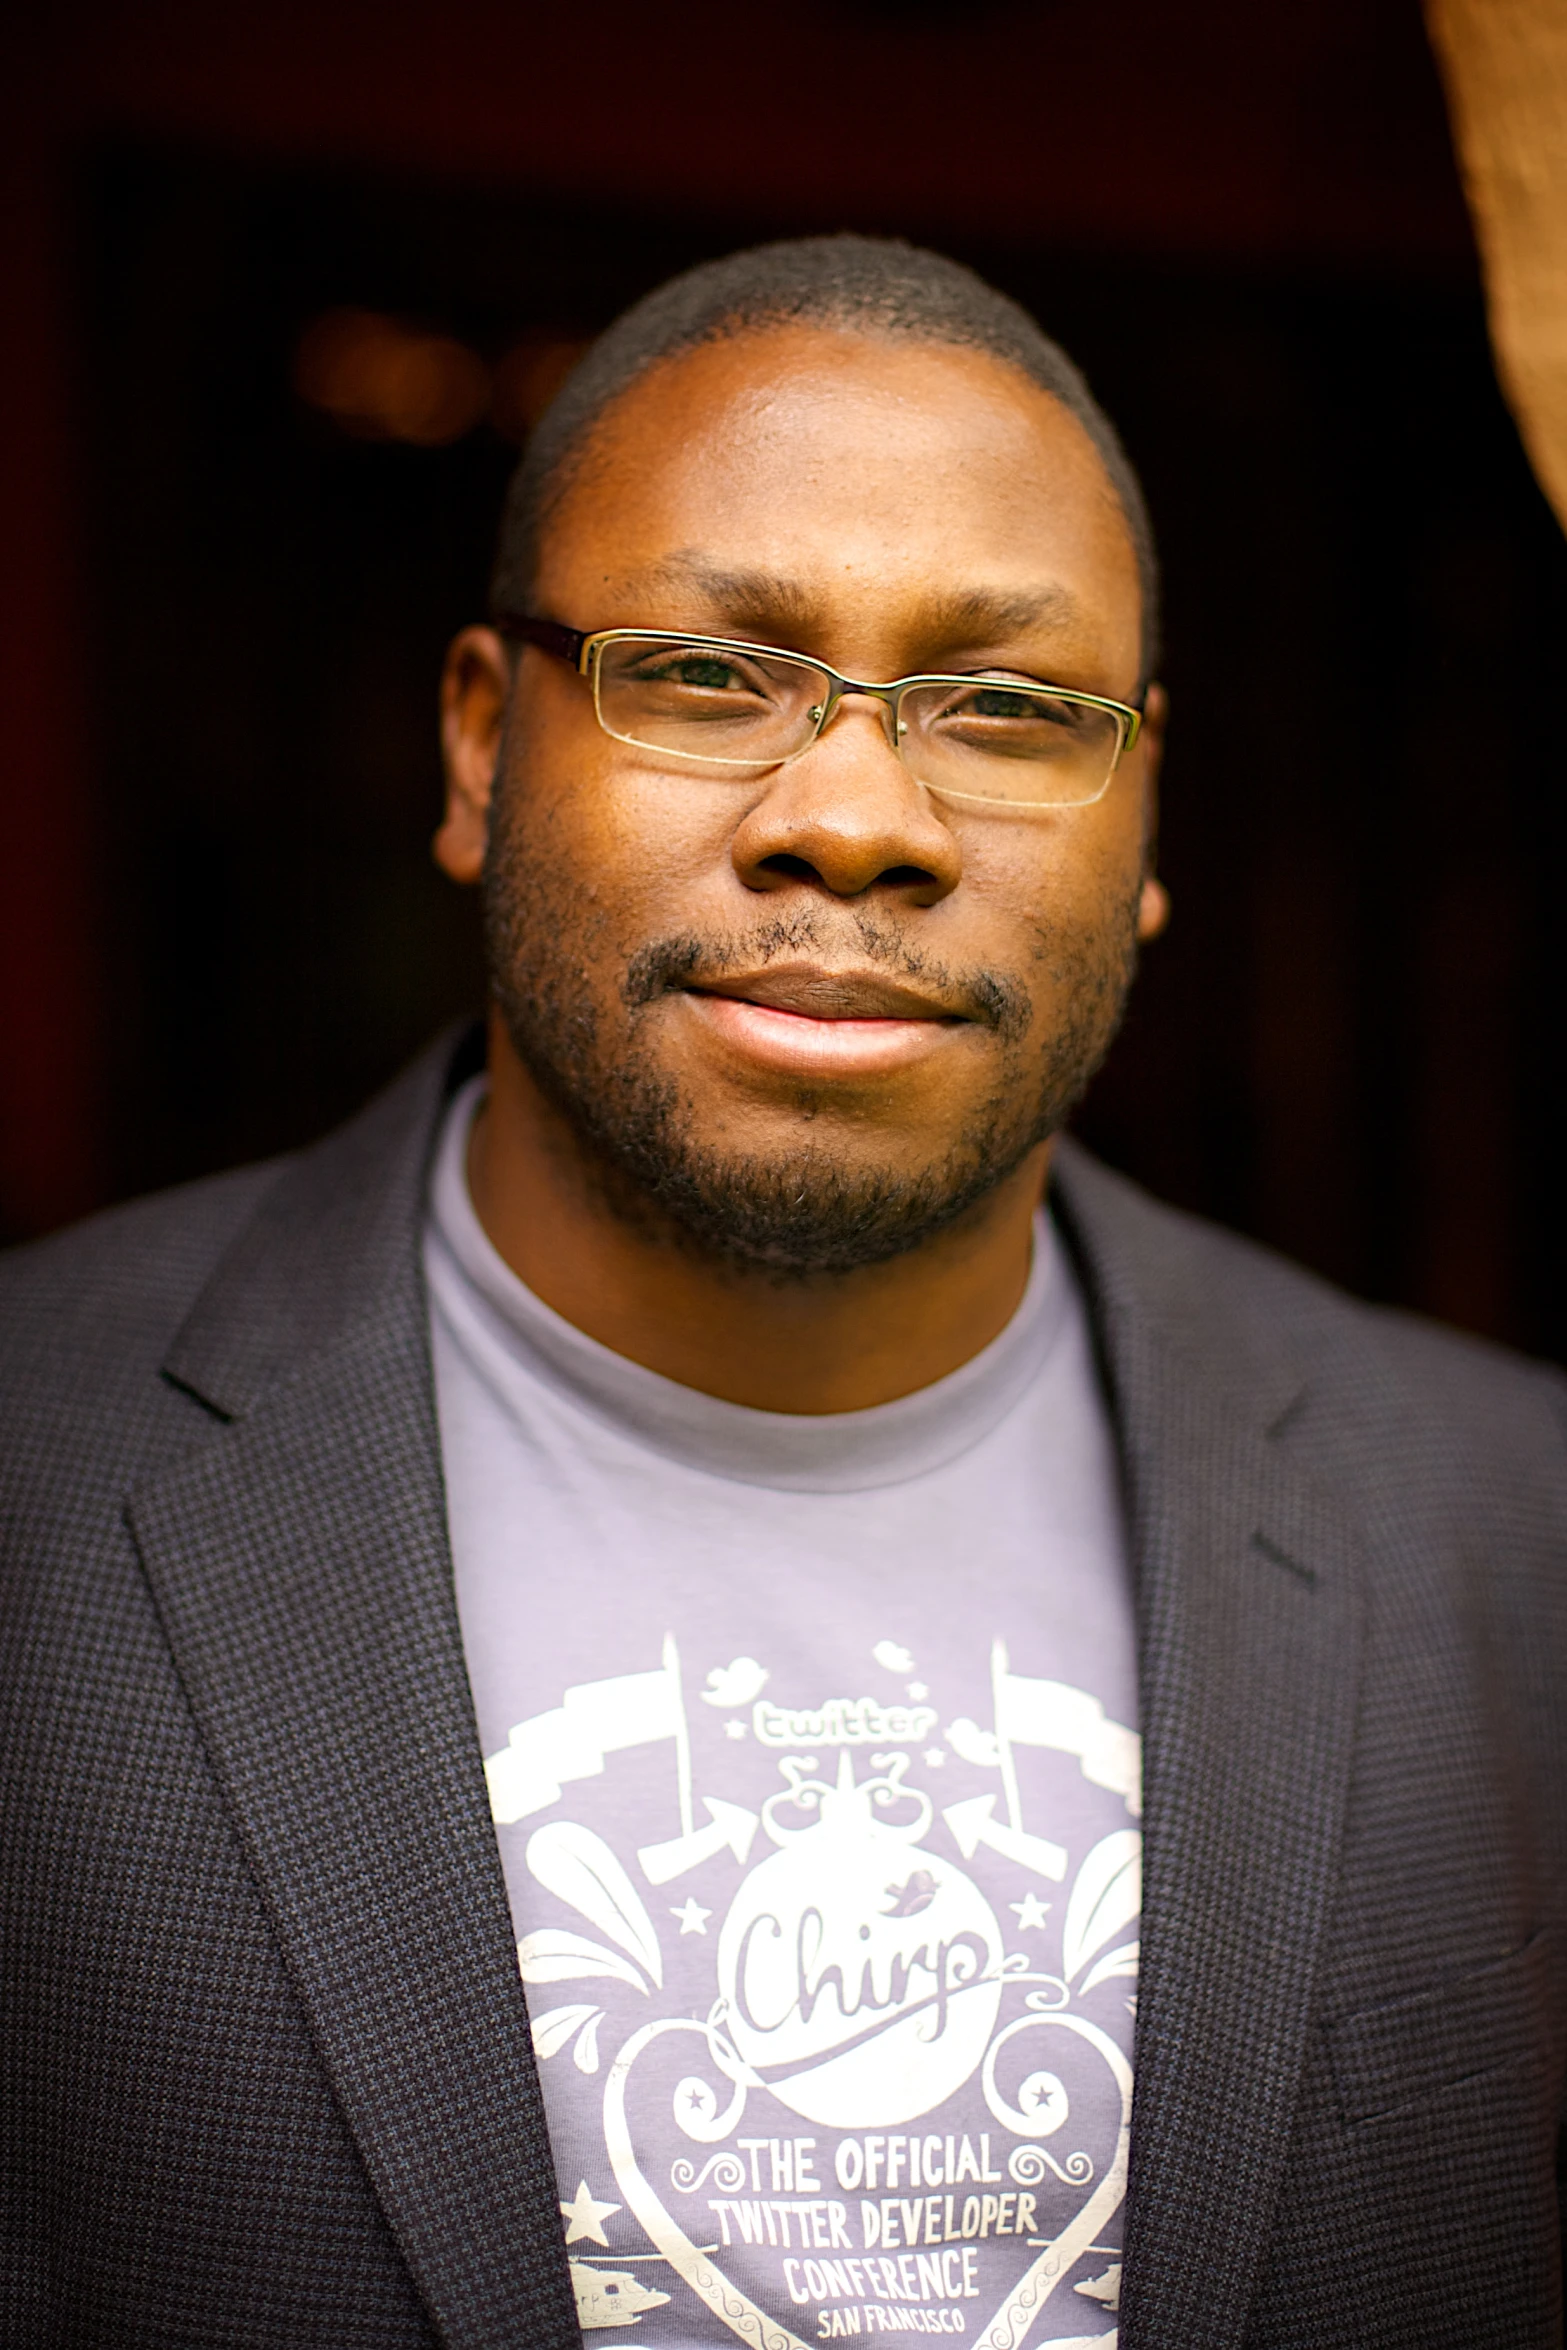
992 999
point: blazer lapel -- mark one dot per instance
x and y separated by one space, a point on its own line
1249 1608
299 1558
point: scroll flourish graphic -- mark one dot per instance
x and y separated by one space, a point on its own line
725 2170
1015 2318
735 2309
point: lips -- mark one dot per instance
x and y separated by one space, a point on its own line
802 1022
812 993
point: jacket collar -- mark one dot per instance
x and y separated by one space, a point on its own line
299 1556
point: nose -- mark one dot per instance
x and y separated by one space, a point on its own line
847 817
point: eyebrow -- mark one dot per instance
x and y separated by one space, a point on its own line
762 601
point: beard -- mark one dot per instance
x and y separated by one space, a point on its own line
576 1006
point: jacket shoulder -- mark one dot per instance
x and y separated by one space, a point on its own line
106 1296
119 1328
1399 1379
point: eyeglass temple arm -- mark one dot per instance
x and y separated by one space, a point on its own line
565 643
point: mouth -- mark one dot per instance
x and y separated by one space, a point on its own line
804 1020
809 992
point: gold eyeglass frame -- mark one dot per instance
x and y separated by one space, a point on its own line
582 650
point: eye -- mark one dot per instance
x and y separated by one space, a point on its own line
993 701
1013 705
708 672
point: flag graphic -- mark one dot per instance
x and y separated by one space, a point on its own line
571 1741
1049 1713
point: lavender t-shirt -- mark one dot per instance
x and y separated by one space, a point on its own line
812 1755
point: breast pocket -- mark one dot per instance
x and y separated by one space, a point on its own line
1386 2059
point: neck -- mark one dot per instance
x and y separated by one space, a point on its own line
837 1343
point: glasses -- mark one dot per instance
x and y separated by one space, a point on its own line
725 704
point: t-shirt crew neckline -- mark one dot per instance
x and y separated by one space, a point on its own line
836 1452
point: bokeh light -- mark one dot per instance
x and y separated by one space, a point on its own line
384 380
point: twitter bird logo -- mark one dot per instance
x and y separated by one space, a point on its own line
735 1684
896 1659
974 1744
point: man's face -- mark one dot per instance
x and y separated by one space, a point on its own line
810 1017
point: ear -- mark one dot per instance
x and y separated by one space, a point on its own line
1153 906
474 687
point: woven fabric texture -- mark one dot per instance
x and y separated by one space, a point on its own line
265 2075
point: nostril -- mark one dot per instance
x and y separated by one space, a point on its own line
789 868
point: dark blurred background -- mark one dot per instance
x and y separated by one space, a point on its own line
286 288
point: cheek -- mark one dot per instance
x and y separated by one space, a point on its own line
652 848
577 815
663 828
1035 881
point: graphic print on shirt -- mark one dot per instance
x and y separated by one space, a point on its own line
846 2052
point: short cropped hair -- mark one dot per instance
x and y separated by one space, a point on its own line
876 286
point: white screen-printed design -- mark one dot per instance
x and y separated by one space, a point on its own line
846 2051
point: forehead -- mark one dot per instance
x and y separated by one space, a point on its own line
838 461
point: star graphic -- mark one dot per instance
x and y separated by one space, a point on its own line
1043 2096
585 2219
693 1917
734 1729
935 1756
1029 1911
917 1689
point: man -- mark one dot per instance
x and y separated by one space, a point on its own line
587 1658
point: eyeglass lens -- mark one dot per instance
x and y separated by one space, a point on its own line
975 738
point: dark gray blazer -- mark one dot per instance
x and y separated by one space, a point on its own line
267 2075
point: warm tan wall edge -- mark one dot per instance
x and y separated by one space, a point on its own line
1505 66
